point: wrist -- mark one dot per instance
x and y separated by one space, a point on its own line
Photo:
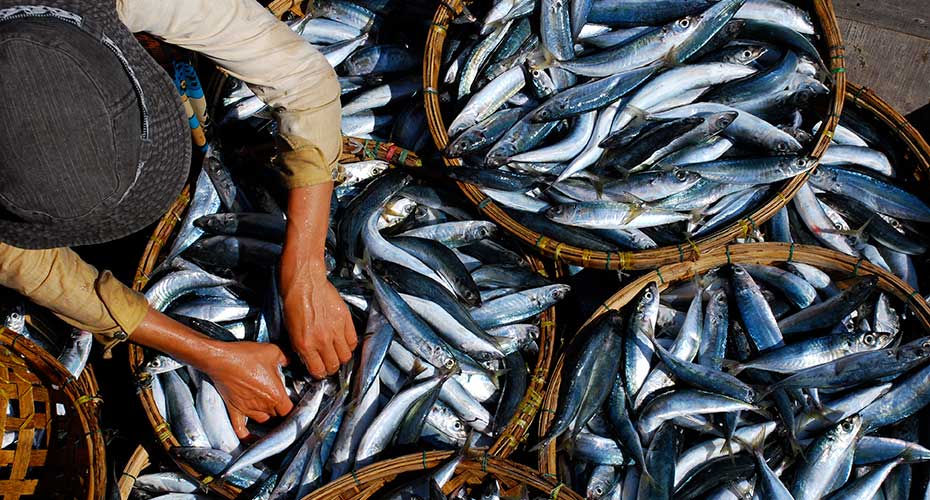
306 269
212 356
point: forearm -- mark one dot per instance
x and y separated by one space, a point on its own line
307 223
158 331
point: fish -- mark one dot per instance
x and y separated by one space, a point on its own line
652 87
791 414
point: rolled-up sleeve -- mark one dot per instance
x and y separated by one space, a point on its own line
58 279
285 71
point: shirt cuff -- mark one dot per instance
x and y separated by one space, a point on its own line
125 310
310 143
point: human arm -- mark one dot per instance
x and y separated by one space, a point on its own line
246 374
317 319
296 81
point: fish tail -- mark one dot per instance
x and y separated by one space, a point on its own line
542 444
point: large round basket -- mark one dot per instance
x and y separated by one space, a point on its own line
370 481
506 442
837 264
833 53
58 450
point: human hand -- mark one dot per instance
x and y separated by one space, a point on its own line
247 376
318 321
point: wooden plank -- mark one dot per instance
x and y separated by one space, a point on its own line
893 64
906 16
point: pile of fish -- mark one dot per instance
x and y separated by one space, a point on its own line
446 313
71 349
640 123
378 58
859 202
754 381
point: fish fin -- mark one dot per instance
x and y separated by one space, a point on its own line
542 59
542 444
696 216
636 210
637 206
858 234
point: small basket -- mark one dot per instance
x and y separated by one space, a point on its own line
368 482
757 253
59 450
831 46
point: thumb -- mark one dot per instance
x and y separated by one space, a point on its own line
237 419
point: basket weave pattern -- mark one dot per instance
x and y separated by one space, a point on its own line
59 449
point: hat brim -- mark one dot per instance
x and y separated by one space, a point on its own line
165 155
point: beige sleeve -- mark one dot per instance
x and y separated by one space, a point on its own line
57 278
280 67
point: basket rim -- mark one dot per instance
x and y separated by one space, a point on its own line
863 97
635 259
372 477
83 394
760 253
516 431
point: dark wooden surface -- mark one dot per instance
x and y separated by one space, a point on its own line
888 46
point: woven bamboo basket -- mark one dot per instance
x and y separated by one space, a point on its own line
917 152
59 451
368 482
833 53
509 439
837 264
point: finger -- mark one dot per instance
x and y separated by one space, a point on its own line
350 336
283 405
330 359
343 352
258 416
283 359
314 364
237 419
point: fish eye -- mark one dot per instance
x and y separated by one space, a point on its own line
681 175
599 490
450 363
869 339
747 54
738 270
847 426
684 23
647 295
457 425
